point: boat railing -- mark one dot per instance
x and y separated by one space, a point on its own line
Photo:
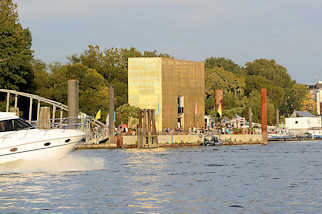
95 131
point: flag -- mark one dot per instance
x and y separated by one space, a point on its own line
220 110
98 115
196 108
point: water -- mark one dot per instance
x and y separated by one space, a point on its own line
277 178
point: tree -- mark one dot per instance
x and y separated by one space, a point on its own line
309 104
125 113
15 50
93 92
254 101
232 85
270 70
222 62
41 77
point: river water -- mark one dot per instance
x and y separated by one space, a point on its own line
277 178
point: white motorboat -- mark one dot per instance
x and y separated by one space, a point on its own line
21 141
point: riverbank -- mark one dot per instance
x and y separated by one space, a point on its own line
173 141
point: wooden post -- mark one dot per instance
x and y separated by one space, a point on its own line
38 110
264 115
30 110
149 127
144 126
139 131
277 117
154 130
44 118
250 117
111 111
8 102
73 102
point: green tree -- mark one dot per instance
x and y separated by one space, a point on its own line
125 113
270 70
41 77
232 86
254 101
221 62
15 50
92 87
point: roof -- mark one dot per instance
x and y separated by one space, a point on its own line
303 114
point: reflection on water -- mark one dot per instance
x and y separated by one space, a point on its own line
278 178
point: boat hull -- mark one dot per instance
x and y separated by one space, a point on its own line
47 149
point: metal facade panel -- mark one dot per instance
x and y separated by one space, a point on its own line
144 85
183 78
157 82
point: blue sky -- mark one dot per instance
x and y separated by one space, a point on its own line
289 31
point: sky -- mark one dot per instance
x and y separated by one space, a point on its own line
288 31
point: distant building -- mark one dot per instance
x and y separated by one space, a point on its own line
174 88
316 90
302 121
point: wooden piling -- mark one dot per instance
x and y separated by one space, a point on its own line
44 118
73 102
264 115
154 130
250 117
144 127
111 112
277 117
149 128
139 130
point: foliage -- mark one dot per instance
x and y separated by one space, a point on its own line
223 63
93 92
309 104
242 85
254 101
15 50
125 113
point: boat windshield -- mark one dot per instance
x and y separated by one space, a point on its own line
14 125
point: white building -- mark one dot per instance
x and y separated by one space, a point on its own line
302 120
316 90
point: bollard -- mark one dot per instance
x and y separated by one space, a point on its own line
44 118
264 115
111 113
73 102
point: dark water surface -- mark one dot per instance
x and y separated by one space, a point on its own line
277 178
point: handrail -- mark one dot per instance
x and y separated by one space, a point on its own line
36 97
55 104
